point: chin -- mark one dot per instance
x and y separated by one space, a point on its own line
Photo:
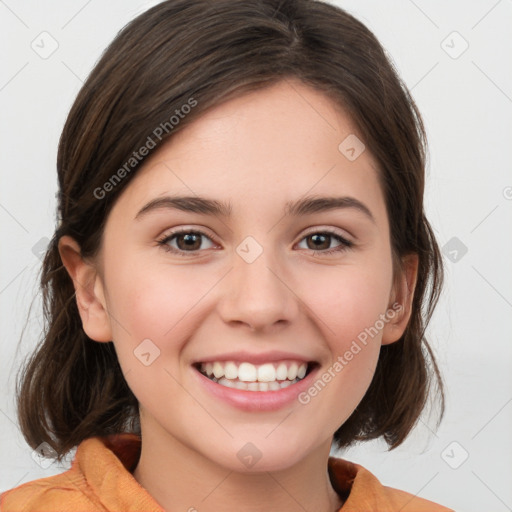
257 454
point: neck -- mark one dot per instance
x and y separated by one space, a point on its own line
180 478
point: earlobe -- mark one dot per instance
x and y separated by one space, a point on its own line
90 297
400 306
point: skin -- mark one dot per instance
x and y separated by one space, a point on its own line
257 152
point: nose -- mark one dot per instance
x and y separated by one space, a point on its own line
258 295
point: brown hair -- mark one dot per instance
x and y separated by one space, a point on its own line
72 388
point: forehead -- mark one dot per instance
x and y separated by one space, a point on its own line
263 148
288 115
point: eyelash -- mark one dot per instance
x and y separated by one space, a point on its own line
164 242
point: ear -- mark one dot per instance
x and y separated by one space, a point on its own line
90 297
400 304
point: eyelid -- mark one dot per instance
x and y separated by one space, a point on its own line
331 230
187 229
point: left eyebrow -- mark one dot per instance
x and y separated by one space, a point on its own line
314 204
204 206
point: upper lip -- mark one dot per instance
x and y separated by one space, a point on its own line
260 358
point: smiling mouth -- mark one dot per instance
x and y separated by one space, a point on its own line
249 377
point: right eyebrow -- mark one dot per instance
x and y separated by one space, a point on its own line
192 204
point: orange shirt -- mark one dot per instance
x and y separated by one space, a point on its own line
100 479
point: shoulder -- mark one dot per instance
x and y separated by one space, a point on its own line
70 490
99 480
65 491
407 502
363 492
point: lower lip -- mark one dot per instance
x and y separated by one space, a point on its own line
256 401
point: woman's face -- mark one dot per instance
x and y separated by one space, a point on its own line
269 281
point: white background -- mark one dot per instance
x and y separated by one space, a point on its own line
467 105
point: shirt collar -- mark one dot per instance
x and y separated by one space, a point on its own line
106 464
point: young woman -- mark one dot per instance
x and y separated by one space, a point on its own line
242 271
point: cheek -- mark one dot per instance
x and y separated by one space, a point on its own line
152 303
146 300
349 301
155 302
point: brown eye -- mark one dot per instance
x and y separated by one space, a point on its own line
185 241
188 241
321 242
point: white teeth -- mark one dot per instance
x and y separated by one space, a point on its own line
282 372
274 386
255 386
230 370
218 370
264 386
247 372
301 371
266 373
228 383
292 371
265 377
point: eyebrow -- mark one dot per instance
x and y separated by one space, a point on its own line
204 206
